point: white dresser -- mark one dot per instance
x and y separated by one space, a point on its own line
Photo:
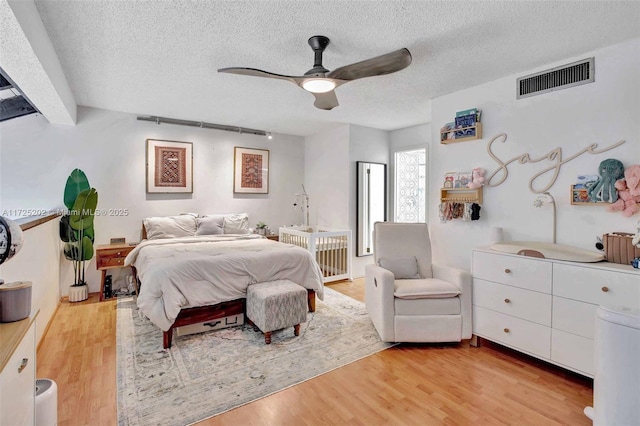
18 372
544 307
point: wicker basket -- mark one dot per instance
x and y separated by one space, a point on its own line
618 247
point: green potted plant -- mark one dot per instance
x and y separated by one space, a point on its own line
261 228
76 229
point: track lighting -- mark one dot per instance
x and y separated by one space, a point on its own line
204 125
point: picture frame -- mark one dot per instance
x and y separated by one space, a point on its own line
250 171
169 167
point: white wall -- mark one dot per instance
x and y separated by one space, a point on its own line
365 144
36 158
603 112
39 262
326 177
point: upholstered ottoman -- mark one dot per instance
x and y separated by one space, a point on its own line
275 305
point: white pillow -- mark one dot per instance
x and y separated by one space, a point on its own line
210 225
236 223
404 268
170 227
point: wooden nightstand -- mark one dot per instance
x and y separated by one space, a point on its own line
274 237
110 256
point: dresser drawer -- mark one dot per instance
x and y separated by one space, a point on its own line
522 335
517 302
105 261
516 271
574 316
17 384
596 286
573 352
111 257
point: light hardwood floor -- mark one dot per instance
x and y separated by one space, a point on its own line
409 384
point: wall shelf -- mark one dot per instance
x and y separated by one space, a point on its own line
461 195
478 135
580 197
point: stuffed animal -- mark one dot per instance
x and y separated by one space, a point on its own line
477 178
628 192
610 170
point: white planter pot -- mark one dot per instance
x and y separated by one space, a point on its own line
79 293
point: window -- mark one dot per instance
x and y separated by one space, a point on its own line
410 173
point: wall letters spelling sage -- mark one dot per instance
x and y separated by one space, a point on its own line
555 155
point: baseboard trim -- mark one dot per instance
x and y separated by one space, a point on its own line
46 329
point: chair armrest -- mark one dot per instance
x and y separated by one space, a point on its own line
461 279
456 276
379 300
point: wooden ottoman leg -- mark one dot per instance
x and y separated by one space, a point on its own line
296 329
267 338
255 327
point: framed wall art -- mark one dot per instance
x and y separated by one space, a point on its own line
250 171
169 166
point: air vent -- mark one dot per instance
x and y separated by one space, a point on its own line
575 74
13 103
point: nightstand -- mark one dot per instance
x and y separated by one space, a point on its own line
110 256
274 237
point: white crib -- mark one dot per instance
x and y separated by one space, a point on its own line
330 247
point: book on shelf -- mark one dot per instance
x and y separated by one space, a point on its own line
462 179
446 132
470 111
450 179
466 124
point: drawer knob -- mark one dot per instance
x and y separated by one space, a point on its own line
507 271
23 364
507 301
119 260
506 330
118 253
605 289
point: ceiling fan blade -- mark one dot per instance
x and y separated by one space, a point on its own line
380 65
259 73
327 100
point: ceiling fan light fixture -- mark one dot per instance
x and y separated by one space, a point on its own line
318 85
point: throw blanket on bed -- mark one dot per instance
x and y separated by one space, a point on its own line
186 272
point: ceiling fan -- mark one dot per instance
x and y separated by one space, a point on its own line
321 82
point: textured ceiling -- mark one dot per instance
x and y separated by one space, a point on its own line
161 57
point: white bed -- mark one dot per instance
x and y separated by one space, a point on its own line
182 277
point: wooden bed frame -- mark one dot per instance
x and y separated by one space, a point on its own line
200 314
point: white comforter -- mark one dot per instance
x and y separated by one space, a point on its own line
197 271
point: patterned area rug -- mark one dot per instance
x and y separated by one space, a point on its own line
206 374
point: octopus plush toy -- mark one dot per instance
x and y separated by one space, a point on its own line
628 192
604 189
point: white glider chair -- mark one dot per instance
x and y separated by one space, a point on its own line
410 299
